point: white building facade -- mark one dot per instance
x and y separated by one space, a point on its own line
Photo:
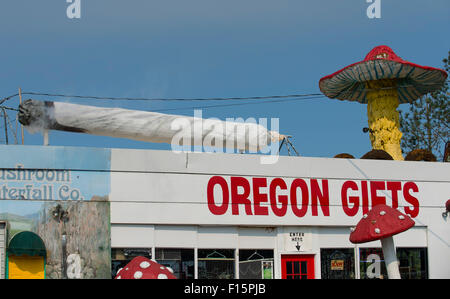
213 215
229 216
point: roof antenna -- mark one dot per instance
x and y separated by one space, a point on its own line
20 102
288 145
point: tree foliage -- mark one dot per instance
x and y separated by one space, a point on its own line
426 124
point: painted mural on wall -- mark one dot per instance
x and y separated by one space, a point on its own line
61 194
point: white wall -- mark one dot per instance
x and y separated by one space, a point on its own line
164 188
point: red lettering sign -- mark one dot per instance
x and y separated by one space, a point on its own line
299 183
217 209
274 199
377 188
354 200
376 199
411 199
260 197
264 196
320 195
240 198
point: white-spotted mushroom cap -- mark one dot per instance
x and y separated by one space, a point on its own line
143 268
381 222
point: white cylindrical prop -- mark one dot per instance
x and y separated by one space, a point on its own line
146 126
390 258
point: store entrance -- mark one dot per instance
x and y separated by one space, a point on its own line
297 266
26 256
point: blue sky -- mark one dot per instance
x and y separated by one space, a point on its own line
213 48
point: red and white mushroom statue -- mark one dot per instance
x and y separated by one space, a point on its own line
447 208
381 223
143 268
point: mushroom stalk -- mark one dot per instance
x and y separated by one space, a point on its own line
383 117
390 258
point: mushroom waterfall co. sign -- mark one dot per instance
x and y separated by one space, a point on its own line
52 173
37 184
61 195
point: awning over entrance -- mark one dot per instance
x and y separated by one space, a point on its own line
27 243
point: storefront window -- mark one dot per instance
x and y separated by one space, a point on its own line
216 264
122 256
337 263
413 263
255 264
181 261
371 263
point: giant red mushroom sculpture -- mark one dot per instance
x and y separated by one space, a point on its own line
381 223
447 208
143 268
383 81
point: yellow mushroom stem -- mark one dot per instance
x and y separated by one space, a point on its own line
383 117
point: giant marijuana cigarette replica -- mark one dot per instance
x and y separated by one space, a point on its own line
383 81
145 126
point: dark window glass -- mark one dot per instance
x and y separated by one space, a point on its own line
288 267
297 267
255 264
304 269
413 263
180 260
337 263
216 264
371 263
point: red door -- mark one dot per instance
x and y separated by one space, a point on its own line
297 266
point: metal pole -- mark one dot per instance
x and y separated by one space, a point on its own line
6 126
20 102
45 133
281 145
63 257
195 262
